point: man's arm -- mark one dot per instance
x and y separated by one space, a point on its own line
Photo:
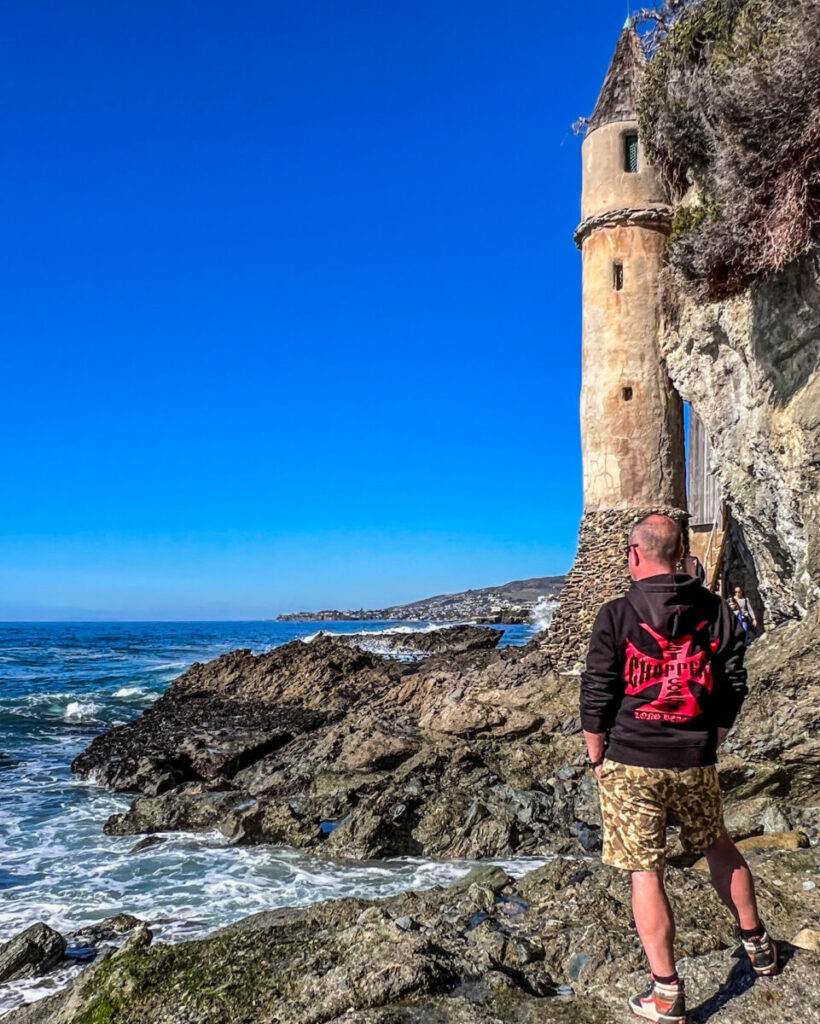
601 685
729 672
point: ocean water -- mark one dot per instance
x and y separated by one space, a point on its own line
62 684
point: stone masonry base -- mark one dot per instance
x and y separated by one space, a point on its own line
600 573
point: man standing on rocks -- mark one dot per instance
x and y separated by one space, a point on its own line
663 684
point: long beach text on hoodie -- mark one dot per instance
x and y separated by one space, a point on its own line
664 672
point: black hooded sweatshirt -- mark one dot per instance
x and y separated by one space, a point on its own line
664 672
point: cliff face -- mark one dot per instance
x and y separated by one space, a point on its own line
730 115
749 367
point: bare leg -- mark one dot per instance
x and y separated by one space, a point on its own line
733 881
654 920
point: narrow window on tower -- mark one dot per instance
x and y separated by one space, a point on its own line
631 152
627 394
617 276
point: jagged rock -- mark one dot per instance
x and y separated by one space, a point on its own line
414 958
215 720
774 820
182 811
754 816
377 751
472 754
147 844
448 757
33 951
468 718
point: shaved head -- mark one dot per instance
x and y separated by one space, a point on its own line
659 538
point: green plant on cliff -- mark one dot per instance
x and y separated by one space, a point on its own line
689 218
730 103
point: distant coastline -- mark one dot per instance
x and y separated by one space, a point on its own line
508 603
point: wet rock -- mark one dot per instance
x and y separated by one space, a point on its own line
147 844
34 951
217 719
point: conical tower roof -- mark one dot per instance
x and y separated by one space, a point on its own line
618 100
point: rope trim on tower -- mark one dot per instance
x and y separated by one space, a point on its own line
657 217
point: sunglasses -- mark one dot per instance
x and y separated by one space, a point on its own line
628 548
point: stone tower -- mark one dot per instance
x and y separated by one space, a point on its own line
631 419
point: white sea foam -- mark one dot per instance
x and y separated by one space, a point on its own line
430 627
82 711
543 611
131 691
185 886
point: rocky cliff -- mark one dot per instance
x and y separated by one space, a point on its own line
730 114
749 366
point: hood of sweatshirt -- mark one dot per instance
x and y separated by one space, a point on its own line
671 603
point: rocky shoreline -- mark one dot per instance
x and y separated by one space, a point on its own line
459 750
555 945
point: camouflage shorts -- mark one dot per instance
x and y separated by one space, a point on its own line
635 803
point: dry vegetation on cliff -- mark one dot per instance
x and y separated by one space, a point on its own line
730 115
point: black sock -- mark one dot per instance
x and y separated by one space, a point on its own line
753 933
669 979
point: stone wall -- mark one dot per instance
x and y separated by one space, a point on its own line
600 573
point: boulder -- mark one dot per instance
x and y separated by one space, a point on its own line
34 951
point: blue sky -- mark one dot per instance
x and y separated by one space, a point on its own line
290 302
